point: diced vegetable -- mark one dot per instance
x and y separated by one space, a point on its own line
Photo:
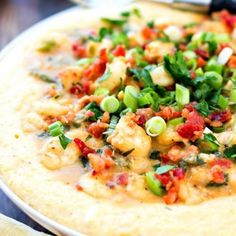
182 95
110 104
214 79
176 121
130 97
155 126
154 185
57 129
163 169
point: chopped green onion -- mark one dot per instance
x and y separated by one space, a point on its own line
56 129
112 125
155 126
125 111
101 91
154 185
192 64
214 79
232 97
163 169
230 152
182 95
84 61
222 38
222 102
130 97
199 72
64 141
190 54
47 46
110 104
176 121
218 129
213 66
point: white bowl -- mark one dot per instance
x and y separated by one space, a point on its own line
16 43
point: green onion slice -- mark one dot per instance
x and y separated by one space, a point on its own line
182 95
154 185
110 104
130 97
101 91
155 126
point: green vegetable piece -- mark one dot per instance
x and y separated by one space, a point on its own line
101 91
203 108
155 126
222 38
64 141
57 129
223 102
214 79
110 104
213 66
105 76
190 54
114 22
178 68
199 72
207 146
154 185
84 61
182 95
130 97
230 152
218 129
47 46
163 169
232 97
176 121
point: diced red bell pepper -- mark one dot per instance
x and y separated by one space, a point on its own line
171 196
232 62
85 150
79 50
148 33
119 51
202 53
223 162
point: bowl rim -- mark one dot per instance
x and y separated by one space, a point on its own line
43 220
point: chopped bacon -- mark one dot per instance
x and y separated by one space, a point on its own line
85 150
97 128
202 53
232 62
79 187
79 50
182 47
222 116
164 178
148 33
95 70
178 173
193 75
97 163
142 115
171 196
168 113
228 19
105 117
119 51
223 162
103 55
80 89
217 174
201 62
193 127
122 179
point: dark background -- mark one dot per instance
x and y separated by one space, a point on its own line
15 17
